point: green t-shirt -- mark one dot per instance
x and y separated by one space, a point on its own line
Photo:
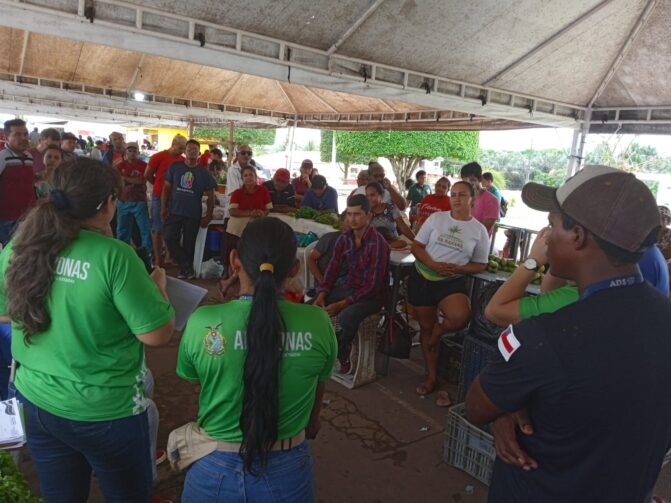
418 192
89 366
548 302
212 351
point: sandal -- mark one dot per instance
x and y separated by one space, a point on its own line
425 388
443 399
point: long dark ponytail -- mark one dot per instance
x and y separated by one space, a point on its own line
264 241
79 189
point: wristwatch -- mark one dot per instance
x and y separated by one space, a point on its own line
530 264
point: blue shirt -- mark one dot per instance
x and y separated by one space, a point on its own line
187 188
655 270
496 192
327 201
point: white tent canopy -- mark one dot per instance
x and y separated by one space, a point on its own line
379 64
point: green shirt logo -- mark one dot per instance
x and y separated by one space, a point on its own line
215 344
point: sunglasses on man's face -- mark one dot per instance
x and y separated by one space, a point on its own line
245 152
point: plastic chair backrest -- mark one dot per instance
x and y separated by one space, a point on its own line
307 275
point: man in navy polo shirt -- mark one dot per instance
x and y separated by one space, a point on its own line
185 184
588 385
321 196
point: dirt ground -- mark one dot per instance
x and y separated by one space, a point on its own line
378 443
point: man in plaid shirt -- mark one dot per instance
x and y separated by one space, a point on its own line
361 292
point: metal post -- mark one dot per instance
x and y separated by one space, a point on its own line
573 158
229 144
584 131
292 132
190 128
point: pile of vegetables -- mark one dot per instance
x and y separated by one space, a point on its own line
507 265
13 487
321 218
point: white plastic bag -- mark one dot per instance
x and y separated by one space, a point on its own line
211 269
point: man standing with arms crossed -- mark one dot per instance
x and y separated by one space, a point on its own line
588 385
155 173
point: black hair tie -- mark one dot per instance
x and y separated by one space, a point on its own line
58 198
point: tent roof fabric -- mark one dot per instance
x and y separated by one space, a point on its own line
312 60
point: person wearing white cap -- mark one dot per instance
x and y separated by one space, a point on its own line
579 397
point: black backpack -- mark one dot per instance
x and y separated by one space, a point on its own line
503 207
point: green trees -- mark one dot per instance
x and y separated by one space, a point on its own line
403 149
342 158
543 166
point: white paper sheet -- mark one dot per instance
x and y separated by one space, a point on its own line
12 432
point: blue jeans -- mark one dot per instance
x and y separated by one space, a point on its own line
65 451
219 477
7 228
156 222
126 211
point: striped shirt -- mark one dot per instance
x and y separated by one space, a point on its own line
367 265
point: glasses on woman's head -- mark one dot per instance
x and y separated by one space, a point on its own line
113 195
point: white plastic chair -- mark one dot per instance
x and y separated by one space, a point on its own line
200 247
308 278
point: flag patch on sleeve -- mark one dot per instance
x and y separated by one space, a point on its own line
508 343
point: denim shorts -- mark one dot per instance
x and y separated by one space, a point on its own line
219 477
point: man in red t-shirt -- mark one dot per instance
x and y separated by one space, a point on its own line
204 159
132 202
155 173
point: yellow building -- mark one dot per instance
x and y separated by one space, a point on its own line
161 137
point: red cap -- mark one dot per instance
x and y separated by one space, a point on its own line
282 175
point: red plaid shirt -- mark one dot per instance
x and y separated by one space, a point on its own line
368 266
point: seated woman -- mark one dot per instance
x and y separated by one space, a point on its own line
82 308
247 203
386 217
262 364
438 201
450 245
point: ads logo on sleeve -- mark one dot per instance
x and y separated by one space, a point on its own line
508 343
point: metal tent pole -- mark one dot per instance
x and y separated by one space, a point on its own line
292 132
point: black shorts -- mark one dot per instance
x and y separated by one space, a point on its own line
425 293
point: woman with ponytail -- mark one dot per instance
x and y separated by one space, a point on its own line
82 308
262 363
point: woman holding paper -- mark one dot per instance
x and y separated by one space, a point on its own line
282 353
82 308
